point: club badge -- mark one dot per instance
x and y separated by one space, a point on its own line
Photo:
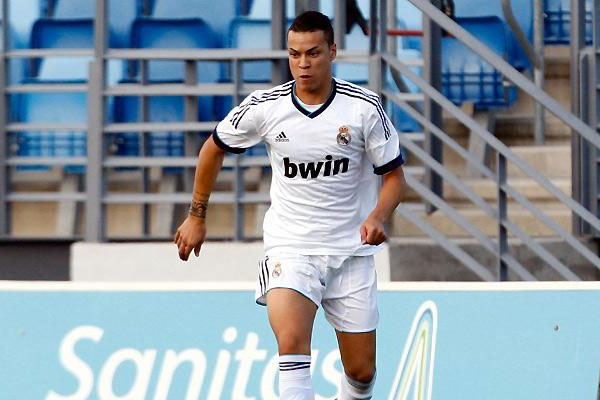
277 270
343 137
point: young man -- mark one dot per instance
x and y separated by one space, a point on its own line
328 141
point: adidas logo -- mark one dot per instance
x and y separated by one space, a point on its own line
282 138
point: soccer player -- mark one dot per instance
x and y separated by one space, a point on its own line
328 143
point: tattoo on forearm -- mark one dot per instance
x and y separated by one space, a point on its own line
199 205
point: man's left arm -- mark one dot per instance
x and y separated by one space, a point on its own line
390 195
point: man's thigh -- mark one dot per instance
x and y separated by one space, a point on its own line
358 354
291 316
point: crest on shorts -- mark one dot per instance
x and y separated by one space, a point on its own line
343 137
277 270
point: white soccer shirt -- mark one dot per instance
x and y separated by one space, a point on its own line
325 164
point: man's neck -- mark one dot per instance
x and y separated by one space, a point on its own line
318 96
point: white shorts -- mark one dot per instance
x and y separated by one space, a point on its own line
345 286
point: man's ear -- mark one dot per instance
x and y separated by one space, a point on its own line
333 51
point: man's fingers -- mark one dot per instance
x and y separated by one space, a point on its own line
176 238
184 251
372 236
363 234
197 249
375 237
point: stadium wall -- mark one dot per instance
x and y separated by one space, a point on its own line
218 261
517 341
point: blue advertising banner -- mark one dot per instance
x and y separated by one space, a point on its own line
200 341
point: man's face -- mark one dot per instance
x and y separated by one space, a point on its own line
310 58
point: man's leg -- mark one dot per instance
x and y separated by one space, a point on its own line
358 358
291 316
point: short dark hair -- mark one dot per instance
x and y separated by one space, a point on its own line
311 21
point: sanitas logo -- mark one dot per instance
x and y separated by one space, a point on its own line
313 169
229 376
238 368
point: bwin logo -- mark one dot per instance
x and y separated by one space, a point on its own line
312 169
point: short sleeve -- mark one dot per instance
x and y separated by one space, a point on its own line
238 130
381 141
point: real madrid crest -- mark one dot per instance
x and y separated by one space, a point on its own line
343 137
277 270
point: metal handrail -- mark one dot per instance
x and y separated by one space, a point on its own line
502 149
491 140
485 241
488 209
446 243
484 170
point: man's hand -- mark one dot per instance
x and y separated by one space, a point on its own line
372 231
190 236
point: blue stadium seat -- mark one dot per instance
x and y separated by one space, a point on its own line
191 33
557 23
160 109
122 13
466 76
523 12
217 14
59 34
172 34
51 108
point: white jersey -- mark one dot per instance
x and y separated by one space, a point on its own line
325 164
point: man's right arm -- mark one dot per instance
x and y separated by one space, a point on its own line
191 233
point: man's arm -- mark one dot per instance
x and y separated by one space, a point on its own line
191 233
390 195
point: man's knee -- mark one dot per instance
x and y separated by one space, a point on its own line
292 343
362 373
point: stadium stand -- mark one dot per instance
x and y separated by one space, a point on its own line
557 23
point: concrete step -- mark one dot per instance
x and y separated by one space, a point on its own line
486 224
488 189
409 255
125 220
551 161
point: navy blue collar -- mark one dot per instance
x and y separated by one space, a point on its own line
320 109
